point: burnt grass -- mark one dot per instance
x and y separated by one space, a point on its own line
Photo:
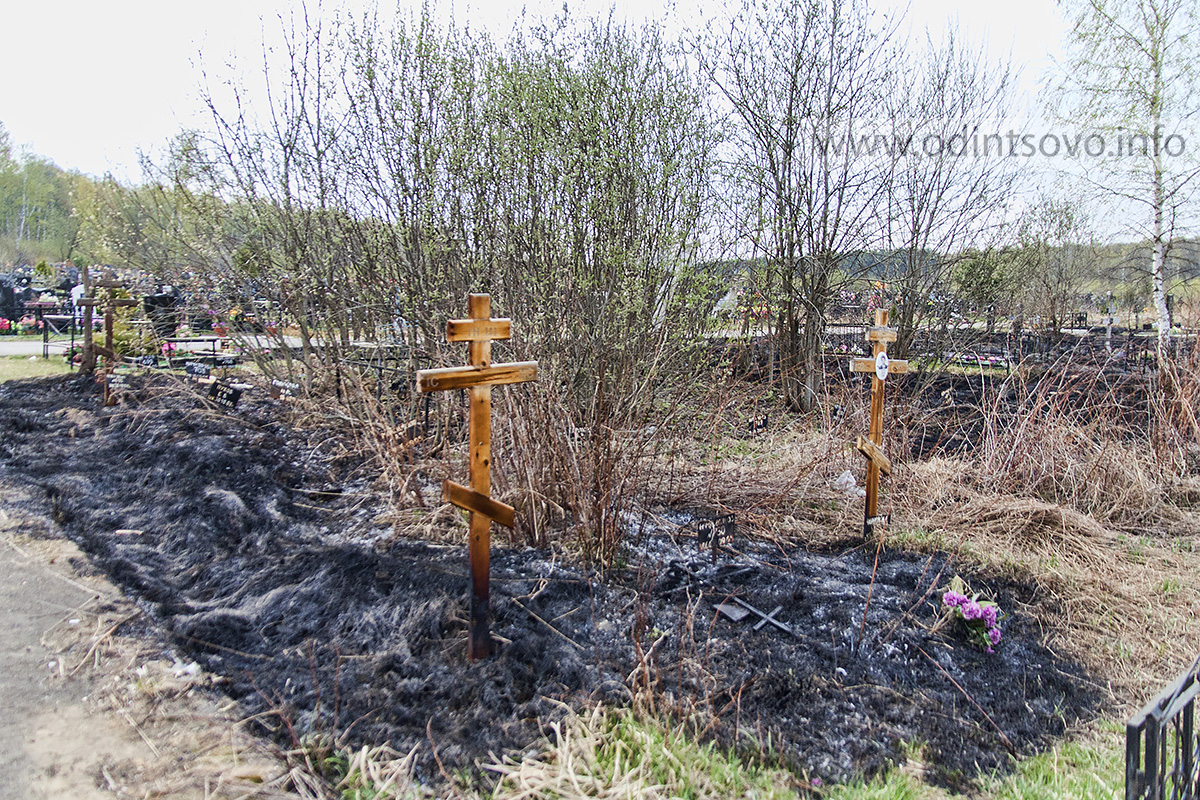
258 559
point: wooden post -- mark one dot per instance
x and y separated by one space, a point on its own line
87 361
877 462
478 378
111 304
479 421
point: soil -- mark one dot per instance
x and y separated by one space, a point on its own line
279 574
95 705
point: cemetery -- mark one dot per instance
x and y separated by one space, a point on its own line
587 407
751 590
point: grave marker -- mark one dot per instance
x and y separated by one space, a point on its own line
197 370
711 531
110 304
283 389
223 394
881 367
478 378
114 386
758 423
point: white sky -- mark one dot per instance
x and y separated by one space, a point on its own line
88 84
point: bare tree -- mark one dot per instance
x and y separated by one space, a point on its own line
796 76
950 182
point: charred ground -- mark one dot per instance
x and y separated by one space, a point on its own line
256 557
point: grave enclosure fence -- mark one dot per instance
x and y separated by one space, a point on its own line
1162 759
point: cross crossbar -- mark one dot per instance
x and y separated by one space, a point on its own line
473 501
874 455
895 367
478 330
435 380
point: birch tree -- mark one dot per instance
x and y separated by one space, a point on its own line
1131 76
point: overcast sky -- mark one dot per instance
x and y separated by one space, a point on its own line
88 84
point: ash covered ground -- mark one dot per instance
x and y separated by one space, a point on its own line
248 556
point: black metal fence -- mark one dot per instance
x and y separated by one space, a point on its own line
1162 761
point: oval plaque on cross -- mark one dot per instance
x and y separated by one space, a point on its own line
881 366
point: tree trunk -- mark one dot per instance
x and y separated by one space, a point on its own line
1158 263
87 362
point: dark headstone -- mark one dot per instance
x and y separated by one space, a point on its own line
160 309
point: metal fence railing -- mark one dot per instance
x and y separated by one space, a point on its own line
1162 761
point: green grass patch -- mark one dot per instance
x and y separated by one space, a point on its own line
1092 768
13 368
617 753
1075 769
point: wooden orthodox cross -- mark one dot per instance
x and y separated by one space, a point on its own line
478 379
110 305
870 447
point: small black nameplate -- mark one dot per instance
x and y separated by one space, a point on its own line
197 369
708 530
224 395
146 361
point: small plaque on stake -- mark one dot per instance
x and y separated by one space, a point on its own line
759 423
714 529
224 395
114 385
197 370
225 361
283 389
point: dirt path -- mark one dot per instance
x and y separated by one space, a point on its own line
89 709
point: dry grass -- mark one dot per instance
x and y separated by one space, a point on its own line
610 753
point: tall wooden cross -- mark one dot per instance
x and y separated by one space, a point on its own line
478 379
870 447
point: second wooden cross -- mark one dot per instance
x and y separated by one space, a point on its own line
871 447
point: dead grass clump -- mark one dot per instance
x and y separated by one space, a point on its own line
1056 459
